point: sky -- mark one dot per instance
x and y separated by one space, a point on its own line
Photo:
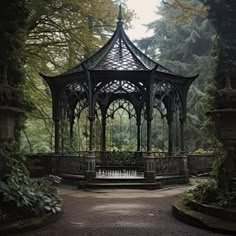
145 12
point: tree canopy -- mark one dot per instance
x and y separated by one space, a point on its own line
183 41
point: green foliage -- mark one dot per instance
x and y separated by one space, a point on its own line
19 190
201 151
207 192
185 9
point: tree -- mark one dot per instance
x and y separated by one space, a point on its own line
186 9
60 35
185 48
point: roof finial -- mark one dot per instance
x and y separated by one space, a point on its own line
120 14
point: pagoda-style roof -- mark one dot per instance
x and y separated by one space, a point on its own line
118 73
119 54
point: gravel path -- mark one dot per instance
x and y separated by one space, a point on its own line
119 213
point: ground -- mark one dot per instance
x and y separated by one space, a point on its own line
119 212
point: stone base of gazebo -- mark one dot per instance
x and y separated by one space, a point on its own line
121 170
137 183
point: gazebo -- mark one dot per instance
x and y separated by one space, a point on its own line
116 75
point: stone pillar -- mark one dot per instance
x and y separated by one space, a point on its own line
90 173
184 168
149 168
91 160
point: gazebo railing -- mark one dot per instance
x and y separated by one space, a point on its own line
75 163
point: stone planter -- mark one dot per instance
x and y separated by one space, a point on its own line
223 213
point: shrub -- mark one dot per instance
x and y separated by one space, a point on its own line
205 192
208 193
201 151
28 195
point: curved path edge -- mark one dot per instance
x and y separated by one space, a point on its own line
184 213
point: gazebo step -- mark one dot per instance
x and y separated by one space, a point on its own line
119 180
128 182
156 185
71 176
71 179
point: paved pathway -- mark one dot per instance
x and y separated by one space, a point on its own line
119 213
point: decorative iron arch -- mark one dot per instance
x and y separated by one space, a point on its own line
121 104
163 89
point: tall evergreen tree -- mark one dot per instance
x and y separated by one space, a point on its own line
185 47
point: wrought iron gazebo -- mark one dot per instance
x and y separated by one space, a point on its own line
118 73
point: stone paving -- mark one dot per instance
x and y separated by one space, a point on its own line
119 212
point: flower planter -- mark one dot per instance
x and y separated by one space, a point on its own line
223 213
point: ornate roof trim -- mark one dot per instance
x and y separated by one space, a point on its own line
120 54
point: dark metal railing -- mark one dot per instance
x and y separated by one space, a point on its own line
76 162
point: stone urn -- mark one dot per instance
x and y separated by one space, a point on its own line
9 111
225 118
